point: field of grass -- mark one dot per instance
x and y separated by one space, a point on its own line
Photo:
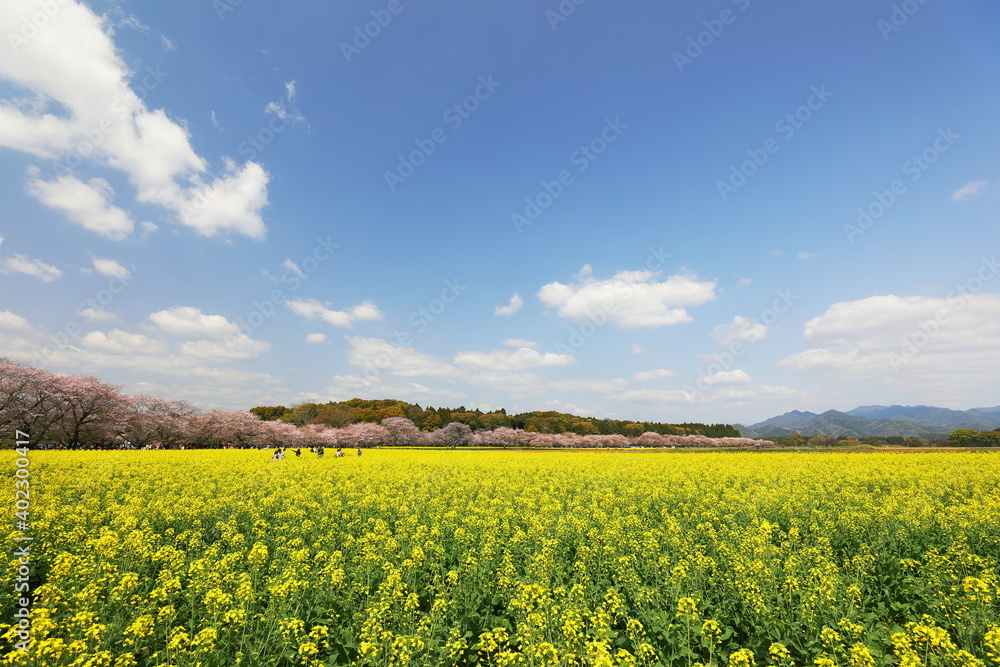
221 558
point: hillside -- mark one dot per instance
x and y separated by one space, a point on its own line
875 421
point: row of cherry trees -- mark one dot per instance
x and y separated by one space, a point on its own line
81 411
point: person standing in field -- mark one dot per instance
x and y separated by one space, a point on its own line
359 451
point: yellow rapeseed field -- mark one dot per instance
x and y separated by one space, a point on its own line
222 558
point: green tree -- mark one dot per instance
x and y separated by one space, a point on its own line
432 422
302 414
796 440
965 437
270 413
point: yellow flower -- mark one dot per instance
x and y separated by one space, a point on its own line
687 607
743 657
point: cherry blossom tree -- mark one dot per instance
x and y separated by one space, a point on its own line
29 400
366 434
218 428
318 435
92 412
402 432
648 439
282 434
151 421
455 434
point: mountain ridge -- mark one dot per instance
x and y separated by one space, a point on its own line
868 421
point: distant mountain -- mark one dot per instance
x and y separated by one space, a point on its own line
875 421
937 417
793 419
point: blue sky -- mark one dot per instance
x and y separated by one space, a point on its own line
716 212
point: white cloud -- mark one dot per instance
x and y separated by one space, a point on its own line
515 304
111 268
518 343
655 374
313 309
73 65
742 329
233 348
636 349
805 255
727 377
376 355
970 191
742 282
289 265
13 322
930 348
232 202
604 386
757 393
316 338
33 267
630 299
354 386
122 342
289 114
86 204
659 396
97 315
511 360
190 322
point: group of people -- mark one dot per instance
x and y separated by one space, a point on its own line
279 453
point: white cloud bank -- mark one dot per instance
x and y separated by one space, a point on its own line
629 299
931 348
80 107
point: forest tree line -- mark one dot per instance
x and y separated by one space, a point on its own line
337 414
